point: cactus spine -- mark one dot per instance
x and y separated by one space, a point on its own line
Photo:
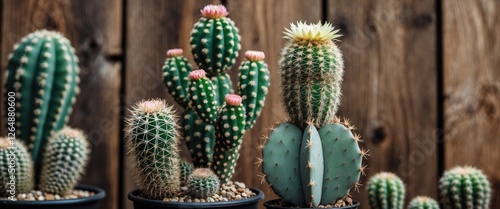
203 183
386 191
422 202
152 138
43 71
464 187
65 158
14 153
186 170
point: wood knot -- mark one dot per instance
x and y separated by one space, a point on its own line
489 97
421 20
379 135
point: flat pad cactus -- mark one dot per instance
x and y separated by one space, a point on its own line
311 166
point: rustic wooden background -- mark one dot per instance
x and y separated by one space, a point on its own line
422 80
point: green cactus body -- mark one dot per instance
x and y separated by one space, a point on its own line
465 188
203 183
280 157
342 161
65 158
200 138
186 169
229 134
422 202
311 166
43 72
215 41
15 154
386 191
203 98
152 139
223 86
176 76
311 69
253 85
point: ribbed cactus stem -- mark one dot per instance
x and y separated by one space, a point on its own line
152 138
43 72
465 188
423 202
186 169
65 158
202 183
386 191
203 98
200 138
176 76
15 161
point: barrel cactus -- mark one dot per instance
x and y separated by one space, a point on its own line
315 158
14 153
386 191
422 202
465 187
202 183
151 132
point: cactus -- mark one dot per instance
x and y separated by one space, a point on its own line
202 183
186 169
422 202
152 138
65 158
202 97
175 73
386 191
43 72
200 138
215 41
311 69
15 161
464 187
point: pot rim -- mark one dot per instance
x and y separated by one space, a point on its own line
267 204
133 196
99 195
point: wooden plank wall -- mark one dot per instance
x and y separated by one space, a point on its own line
416 71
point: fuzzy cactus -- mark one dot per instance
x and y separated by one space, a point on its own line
152 138
422 202
311 69
43 72
65 158
215 41
386 191
15 161
464 188
186 169
202 183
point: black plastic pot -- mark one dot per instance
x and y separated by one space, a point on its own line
274 204
144 203
80 203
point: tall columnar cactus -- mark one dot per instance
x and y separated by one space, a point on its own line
422 202
215 43
202 183
65 158
15 161
386 191
311 69
43 72
464 188
152 138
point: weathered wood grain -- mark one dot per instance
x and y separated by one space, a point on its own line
472 87
261 25
94 29
389 89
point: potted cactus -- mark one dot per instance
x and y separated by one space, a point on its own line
386 191
314 159
213 122
42 159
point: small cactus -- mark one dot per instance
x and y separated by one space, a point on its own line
186 169
422 202
152 138
202 183
386 191
43 72
65 158
465 188
15 161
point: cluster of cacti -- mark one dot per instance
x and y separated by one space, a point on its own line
15 161
203 183
422 202
42 72
386 191
315 158
464 187
212 127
